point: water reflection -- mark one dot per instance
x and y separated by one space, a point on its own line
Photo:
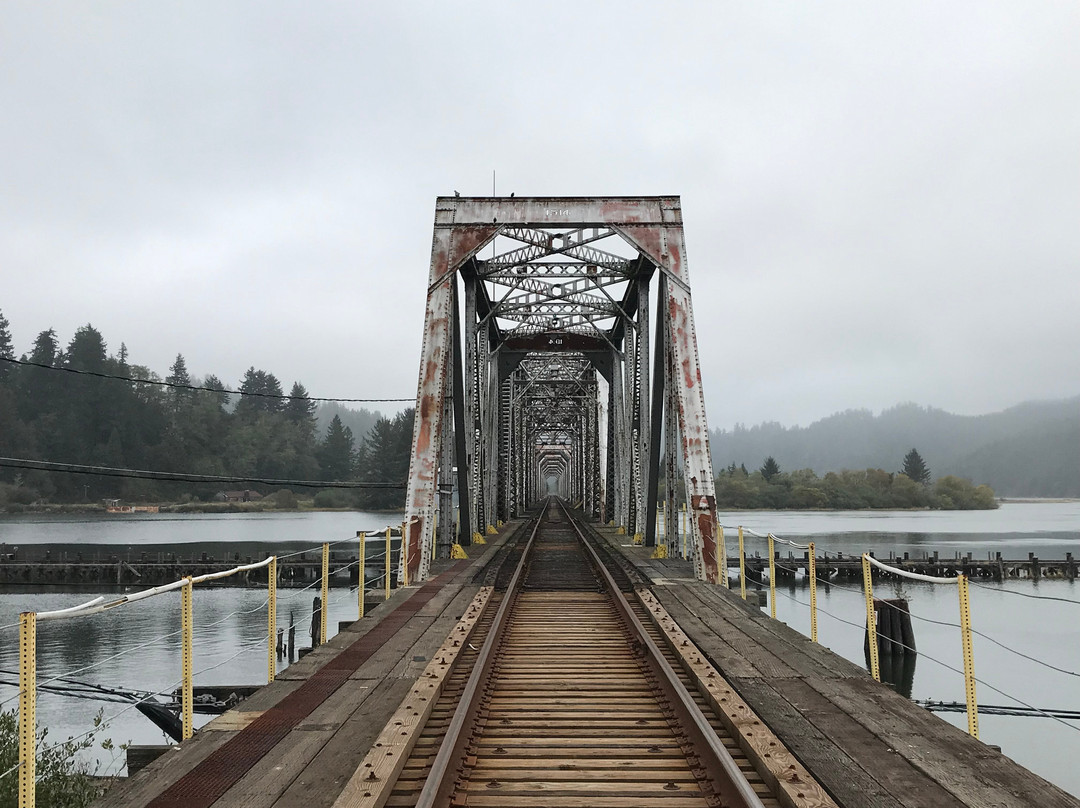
898 671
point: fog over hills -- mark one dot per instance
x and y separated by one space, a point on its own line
1032 449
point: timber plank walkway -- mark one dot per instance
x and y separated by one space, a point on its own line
296 742
865 743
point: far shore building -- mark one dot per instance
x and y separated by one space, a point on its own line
238 496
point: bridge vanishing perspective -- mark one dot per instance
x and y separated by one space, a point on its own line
560 356
562 664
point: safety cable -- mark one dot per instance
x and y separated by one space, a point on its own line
948 666
311 612
318 547
947 624
1023 594
12 698
197 388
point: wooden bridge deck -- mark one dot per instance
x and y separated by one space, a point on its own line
865 743
298 741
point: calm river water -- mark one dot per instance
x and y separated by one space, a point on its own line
136 646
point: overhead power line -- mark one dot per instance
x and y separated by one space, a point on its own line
197 388
180 477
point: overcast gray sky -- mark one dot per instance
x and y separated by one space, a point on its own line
881 200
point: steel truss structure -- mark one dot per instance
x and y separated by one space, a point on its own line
536 366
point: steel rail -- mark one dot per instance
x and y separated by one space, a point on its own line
724 773
439 788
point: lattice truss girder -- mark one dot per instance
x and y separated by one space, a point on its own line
553 369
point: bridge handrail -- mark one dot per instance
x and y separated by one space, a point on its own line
97 605
915 576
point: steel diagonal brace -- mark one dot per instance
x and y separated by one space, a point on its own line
539 239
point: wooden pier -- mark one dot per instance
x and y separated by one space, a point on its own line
104 566
109 566
933 563
809 728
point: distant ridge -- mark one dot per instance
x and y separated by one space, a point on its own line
1030 450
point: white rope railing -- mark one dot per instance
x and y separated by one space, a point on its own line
915 576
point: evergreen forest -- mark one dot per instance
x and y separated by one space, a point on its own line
81 403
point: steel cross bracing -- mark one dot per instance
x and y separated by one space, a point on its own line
559 344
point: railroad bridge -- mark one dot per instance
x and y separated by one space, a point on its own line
564 661
546 321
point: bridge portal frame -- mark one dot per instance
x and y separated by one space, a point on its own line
653 227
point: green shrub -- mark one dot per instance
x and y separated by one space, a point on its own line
63 780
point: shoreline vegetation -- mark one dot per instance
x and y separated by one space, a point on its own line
871 489
265 505
736 490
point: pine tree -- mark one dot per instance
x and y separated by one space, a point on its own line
770 468
915 468
385 459
261 393
178 373
6 349
300 409
336 455
178 398
46 350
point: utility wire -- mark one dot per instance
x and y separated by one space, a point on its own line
180 386
172 476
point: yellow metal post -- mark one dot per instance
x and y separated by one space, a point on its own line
27 707
185 666
813 594
871 621
721 558
742 565
362 538
404 557
772 578
271 620
325 593
387 575
969 660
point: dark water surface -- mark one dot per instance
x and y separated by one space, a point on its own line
137 645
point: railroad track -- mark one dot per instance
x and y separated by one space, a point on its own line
568 695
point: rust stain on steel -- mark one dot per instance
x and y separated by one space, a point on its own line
451 246
706 521
685 341
649 241
466 242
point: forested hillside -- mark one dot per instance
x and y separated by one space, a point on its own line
81 404
1032 449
